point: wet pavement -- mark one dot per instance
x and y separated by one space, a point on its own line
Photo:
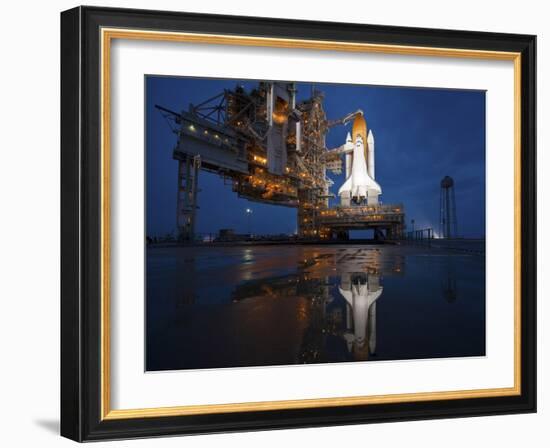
213 306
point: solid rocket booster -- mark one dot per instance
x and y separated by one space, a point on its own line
348 157
360 185
370 154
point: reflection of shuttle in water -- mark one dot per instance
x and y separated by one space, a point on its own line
361 291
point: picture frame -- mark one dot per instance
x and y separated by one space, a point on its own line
86 37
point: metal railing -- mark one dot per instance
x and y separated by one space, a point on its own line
420 236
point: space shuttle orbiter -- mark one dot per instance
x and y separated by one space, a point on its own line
360 185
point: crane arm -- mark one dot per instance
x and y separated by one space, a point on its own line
345 119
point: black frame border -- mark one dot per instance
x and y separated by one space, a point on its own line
81 223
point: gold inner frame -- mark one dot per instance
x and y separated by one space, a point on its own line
107 35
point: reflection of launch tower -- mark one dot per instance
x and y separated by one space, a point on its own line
447 222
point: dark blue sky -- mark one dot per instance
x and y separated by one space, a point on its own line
421 135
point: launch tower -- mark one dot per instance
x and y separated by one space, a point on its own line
272 149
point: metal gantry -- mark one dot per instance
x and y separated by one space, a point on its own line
188 172
272 149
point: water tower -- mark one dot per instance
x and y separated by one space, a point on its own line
447 209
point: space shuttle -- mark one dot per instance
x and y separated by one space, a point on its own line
360 186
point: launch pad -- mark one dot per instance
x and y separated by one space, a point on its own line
387 221
272 149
